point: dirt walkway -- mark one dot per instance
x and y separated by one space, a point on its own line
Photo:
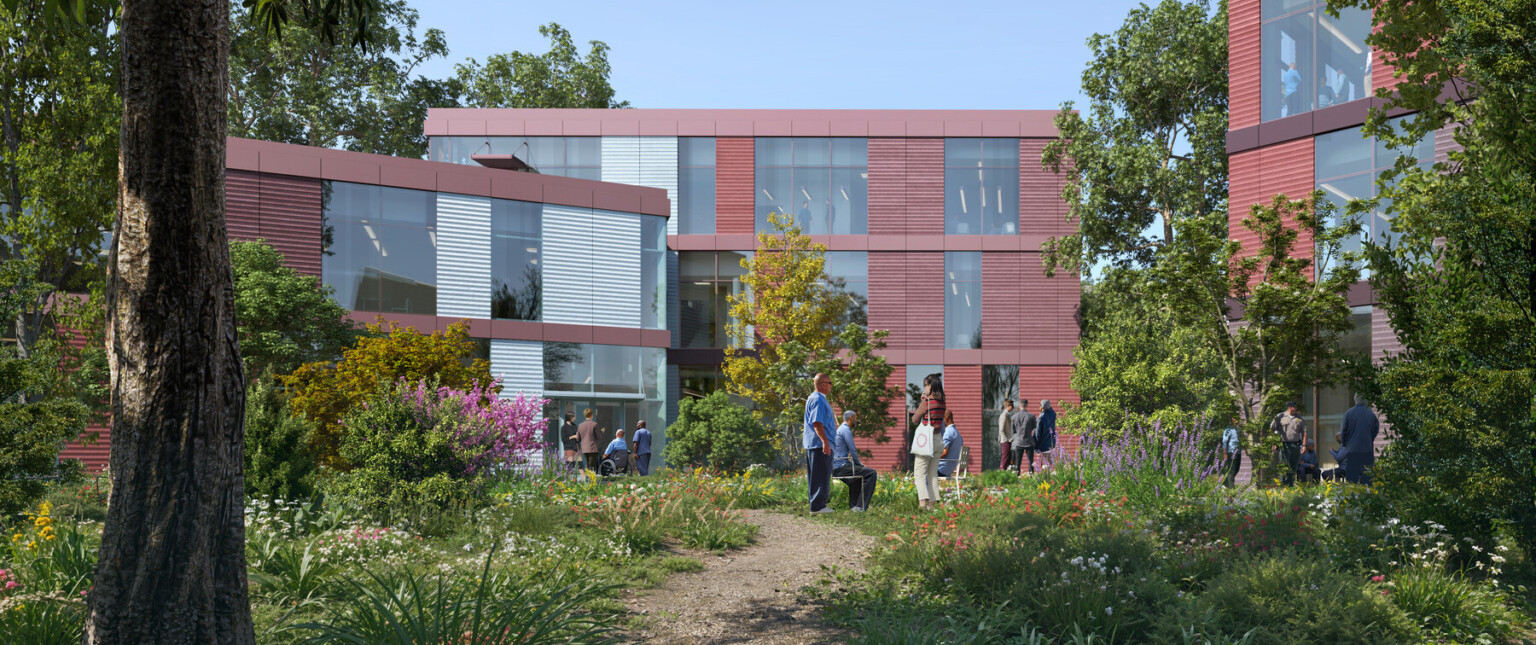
752 595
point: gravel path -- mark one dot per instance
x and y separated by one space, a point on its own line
752 595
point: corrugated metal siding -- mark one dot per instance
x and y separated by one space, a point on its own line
924 290
1384 340
1260 174
568 293
888 296
925 188
95 456
891 454
1381 71
1042 211
1244 63
1046 382
621 160
290 219
1445 143
615 256
887 186
520 366
674 307
242 205
658 169
1001 294
1047 306
733 185
962 395
463 256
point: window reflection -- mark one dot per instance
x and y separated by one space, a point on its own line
696 185
823 182
382 252
1312 60
579 157
981 186
962 300
653 272
605 369
1348 167
516 275
998 383
706 280
848 273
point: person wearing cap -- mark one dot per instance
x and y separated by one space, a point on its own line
1292 430
847 467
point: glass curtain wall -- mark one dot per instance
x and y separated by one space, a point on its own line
1332 403
705 280
621 384
998 383
653 272
516 277
848 272
1346 168
962 300
579 157
823 182
981 186
1312 60
382 252
696 185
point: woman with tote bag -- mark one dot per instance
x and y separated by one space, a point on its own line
929 417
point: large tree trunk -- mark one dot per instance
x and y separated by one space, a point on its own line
172 567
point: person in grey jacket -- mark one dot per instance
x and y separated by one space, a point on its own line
1024 437
1358 435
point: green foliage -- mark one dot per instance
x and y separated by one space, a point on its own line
1451 606
1456 280
33 429
279 461
715 432
1137 365
1151 148
285 319
559 78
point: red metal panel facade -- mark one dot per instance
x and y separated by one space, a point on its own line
1258 175
1244 64
925 187
242 204
888 296
892 454
1001 323
1041 208
924 288
1047 306
734 163
887 186
290 219
962 396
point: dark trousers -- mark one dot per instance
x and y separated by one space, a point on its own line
643 462
818 477
1025 455
593 459
1290 453
1006 447
1234 464
861 484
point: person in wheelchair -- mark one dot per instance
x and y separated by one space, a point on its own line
616 456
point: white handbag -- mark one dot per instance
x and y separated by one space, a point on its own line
922 441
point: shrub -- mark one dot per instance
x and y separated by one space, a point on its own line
33 430
1451 606
995 478
279 461
714 432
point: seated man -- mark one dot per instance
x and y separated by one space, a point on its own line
618 450
846 464
1308 465
1337 473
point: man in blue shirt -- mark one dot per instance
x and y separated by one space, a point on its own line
818 444
618 443
643 448
847 467
951 455
1231 456
1291 81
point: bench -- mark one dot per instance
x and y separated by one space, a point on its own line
961 471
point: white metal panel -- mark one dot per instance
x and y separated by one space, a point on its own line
520 366
615 267
621 160
568 265
463 256
658 169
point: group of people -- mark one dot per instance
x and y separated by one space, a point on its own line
581 440
831 454
1355 455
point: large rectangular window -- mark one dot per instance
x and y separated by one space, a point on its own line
999 383
962 300
981 186
1347 166
696 185
706 280
579 157
823 182
516 276
653 272
639 372
1332 403
382 250
848 272
1312 60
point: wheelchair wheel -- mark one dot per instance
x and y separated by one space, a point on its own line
606 468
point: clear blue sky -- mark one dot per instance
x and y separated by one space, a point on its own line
945 54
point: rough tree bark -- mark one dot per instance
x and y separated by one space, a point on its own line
172 563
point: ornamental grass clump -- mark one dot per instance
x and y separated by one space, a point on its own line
1150 465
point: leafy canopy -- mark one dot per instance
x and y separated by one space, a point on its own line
559 78
285 319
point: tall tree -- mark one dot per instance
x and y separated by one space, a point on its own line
1456 278
59 113
559 78
1150 153
302 89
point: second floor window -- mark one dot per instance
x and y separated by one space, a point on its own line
823 182
981 186
1312 60
696 185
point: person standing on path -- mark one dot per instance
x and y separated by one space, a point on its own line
586 433
1045 435
846 465
643 448
1231 456
1358 436
1292 429
818 444
930 411
1005 434
1024 437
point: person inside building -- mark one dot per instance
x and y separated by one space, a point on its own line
847 466
949 459
642 448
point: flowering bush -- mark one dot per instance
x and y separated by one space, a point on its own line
1148 465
